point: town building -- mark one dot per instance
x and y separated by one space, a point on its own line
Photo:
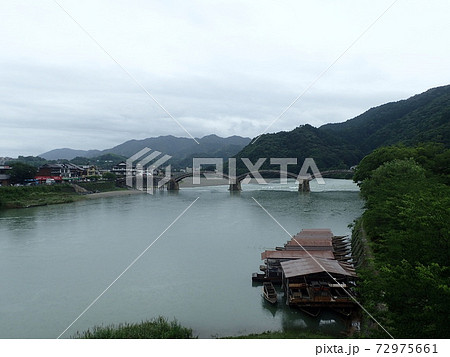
5 175
90 170
120 170
59 172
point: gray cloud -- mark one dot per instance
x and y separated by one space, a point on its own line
228 68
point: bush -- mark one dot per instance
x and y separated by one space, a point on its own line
110 176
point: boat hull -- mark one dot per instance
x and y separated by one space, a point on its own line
269 293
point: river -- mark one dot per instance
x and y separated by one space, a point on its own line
55 260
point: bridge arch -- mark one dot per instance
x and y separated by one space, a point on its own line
235 182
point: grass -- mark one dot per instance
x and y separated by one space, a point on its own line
29 196
42 195
100 186
161 328
158 327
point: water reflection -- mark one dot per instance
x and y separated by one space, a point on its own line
293 319
18 219
328 322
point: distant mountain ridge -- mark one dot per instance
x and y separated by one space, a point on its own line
68 154
181 149
421 118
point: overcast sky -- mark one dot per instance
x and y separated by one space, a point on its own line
224 67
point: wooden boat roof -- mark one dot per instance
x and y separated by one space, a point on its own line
307 265
296 254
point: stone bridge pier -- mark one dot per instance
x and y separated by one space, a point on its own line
235 187
303 186
173 185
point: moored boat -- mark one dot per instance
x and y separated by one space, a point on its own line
269 293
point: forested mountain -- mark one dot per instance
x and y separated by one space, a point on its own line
421 118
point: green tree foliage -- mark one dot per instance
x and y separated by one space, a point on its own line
380 156
81 161
433 157
110 176
35 161
407 221
418 298
21 172
329 151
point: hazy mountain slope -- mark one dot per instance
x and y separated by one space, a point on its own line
181 149
68 154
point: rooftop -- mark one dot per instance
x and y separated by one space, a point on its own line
312 238
296 254
307 265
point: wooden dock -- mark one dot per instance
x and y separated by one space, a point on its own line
314 269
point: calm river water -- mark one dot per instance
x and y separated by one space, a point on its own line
55 260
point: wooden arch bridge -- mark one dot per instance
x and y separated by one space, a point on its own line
235 182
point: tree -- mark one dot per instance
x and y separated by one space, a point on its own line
380 156
21 172
110 176
407 221
418 299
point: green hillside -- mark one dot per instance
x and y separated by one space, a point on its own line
422 118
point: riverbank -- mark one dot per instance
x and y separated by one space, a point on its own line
123 192
34 196
293 334
162 328
159 327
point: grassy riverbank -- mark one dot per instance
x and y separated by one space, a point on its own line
100 186
159 327
31 196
